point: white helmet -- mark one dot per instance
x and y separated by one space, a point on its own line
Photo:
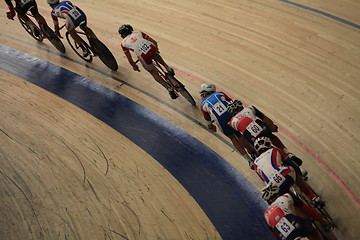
50 2
262 143
207 88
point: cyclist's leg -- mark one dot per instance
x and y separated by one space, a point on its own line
75 36
305 188
148 66
39 18
89 32
158 78
160 60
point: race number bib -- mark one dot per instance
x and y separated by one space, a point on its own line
285 227
219 108
144 48
74 13
277 179
254 128
23 2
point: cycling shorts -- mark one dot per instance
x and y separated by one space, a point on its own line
147 59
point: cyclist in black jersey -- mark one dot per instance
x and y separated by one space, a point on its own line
21 8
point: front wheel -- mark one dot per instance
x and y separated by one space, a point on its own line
54 39
104 54
78 50
179 87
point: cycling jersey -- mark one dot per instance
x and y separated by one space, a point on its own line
269 166
143 48
74 16
282 219
249 124
214 107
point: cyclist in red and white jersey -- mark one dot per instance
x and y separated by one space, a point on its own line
146 49
252 124
289 218
74 17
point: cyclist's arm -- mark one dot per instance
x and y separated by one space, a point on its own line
129 58
227 98
147 37
10 14
10 4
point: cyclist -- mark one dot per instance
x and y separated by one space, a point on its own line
273 166
289 218
22 6
74 16
146 49
252 123
214 109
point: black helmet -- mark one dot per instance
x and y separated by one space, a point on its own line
125 30
234 107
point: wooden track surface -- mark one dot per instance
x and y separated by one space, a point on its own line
301 68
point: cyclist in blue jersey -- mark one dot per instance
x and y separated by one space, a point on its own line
74 17
214 109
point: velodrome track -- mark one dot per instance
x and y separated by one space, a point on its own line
68 175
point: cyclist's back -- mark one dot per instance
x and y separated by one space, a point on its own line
269 166
285 218
216 106
138 43
67 10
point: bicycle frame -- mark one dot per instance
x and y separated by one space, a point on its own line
163 74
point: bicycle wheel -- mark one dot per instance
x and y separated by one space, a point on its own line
104 54
326 233
181 89
54 39
78 50
38 37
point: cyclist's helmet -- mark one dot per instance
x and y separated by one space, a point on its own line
207 88
270 192
51 2
125 30
234 107
262 143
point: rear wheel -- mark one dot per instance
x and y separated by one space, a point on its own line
326 233
182 90
78 50
104 54
36 33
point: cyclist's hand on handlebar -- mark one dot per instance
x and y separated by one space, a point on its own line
275 128
57 31
212 127
10 15
136 67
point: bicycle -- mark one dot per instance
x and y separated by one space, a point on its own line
94 48
329 232
39 35
176 85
